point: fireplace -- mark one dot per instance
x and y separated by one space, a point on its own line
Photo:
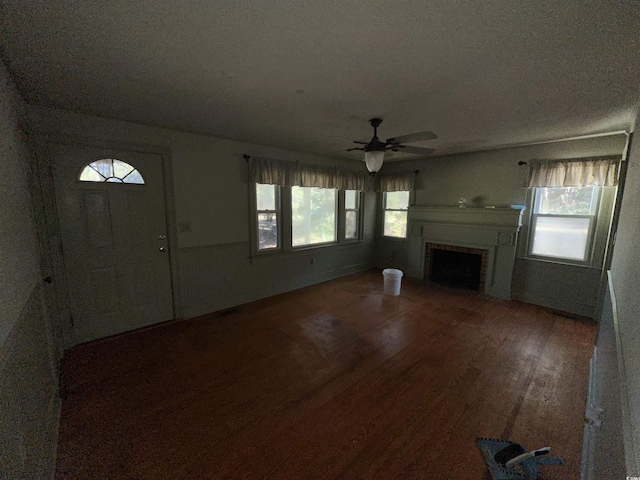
454 266
491 233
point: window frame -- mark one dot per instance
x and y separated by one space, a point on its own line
89 166
285 230
591 248
336 220
384 210
342 207
256 225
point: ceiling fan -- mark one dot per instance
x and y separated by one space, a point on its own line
375 148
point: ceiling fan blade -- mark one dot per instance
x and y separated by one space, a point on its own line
350 149
414 150
413 137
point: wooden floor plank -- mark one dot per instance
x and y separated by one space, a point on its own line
331 381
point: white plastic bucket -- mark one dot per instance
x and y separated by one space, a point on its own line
392 281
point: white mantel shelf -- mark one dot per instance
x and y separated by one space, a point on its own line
502 217
492 229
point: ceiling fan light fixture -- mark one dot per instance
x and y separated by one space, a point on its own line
374 150
373 160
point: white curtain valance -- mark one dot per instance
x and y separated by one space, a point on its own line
576 172
396 182
269 172
279 172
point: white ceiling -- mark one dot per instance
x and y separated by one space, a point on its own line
301 74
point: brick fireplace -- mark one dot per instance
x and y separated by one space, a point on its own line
461 273
491 233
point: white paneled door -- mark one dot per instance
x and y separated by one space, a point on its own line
113 231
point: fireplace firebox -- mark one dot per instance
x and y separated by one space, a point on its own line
458 267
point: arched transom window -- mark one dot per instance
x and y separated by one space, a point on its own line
111 170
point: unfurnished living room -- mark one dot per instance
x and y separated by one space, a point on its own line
318 240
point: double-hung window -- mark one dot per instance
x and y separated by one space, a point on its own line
563 222
313 216
395 207
289 218
351 214
268 217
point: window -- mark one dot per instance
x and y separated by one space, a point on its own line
112 171
313 216
351 214
395 206
290 218
563 222
268 213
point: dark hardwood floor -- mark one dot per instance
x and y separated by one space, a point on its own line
331 381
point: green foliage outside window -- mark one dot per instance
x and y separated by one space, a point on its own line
566 201
313 215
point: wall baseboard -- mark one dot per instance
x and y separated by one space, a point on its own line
555 303
271 290
30 412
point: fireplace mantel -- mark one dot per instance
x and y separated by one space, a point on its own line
492 229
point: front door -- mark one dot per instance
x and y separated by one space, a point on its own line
113 231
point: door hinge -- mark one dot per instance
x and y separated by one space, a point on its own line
71 320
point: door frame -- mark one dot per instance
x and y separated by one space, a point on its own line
53 264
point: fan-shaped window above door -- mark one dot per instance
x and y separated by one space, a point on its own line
112 171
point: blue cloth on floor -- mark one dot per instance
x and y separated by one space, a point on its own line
527 470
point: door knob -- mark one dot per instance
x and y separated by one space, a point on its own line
162 249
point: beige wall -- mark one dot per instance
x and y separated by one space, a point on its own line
624 272
210 189
18 245
209 174
29 403
492 177
495 178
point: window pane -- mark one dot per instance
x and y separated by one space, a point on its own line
267 230
397 200
350 199
313 212
351 224
561 237
90 175
104 167
395 224
121 169
566 201
266 197
111 171
134 177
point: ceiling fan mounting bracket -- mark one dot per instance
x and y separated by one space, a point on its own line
375 122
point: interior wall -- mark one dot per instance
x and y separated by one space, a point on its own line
495 178
29 406
603 449
19 257
624 274
210 191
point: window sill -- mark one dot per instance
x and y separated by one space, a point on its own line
306 248
386 238
585 265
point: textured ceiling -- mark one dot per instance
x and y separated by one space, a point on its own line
307 75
